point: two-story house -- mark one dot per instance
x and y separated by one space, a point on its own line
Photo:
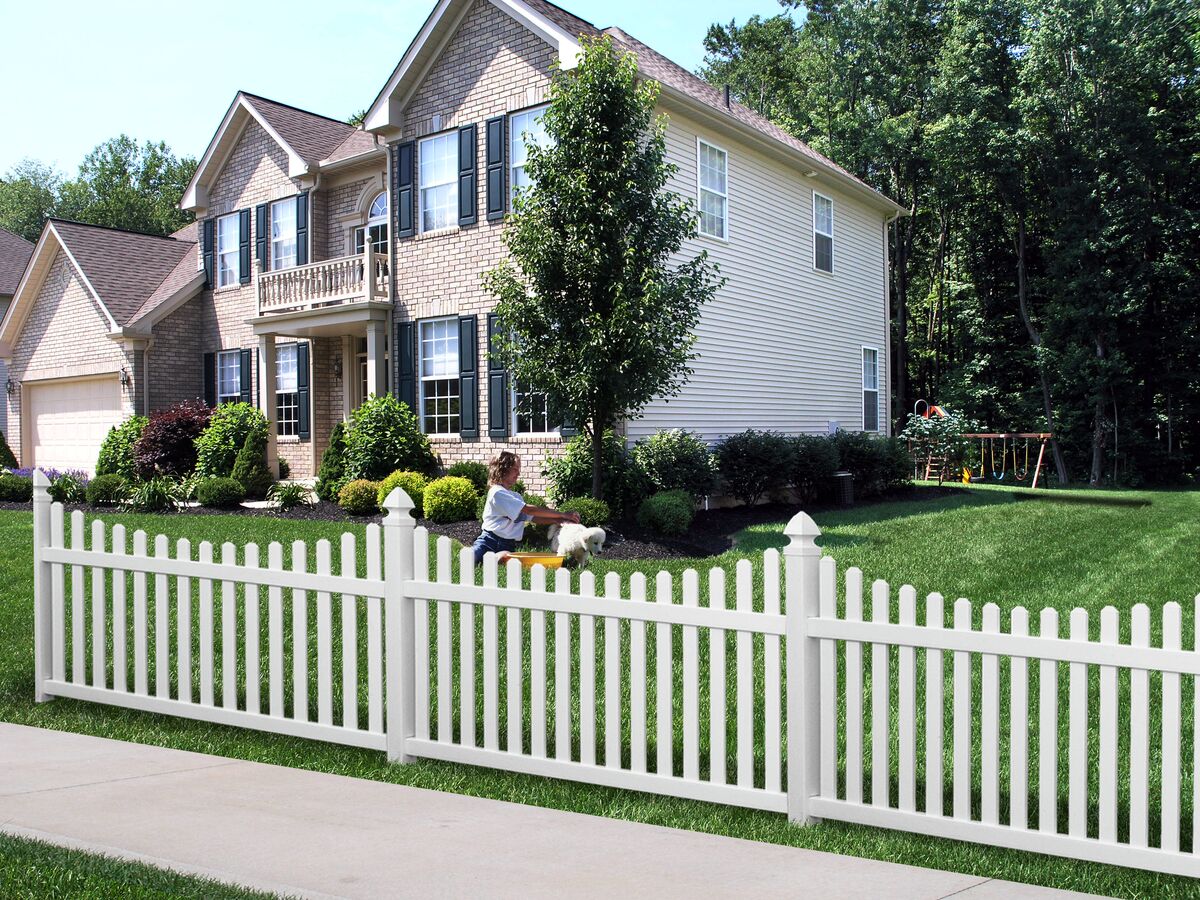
14 254
329 263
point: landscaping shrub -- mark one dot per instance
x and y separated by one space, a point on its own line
754 463
289 494
474 472
116 451
250 469
359 497
106 490
167 445
68 487
7 460
218 447
878 464
677 459
159 494
333 464
592 513
16 488
284 469
814 460
383 436
413 483
220 493
667 512
450 499
625 484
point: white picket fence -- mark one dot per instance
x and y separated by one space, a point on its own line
698 691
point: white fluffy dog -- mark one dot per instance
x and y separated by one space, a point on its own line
576 541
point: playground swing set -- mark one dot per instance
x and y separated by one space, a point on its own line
1014 446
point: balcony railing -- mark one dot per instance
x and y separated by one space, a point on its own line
331 282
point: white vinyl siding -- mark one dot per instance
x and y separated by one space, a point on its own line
229 270
870 387
229 376
713 168
439 376
439 181
525 126
287 390
283 234
822 233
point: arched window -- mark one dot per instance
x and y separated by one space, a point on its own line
377 225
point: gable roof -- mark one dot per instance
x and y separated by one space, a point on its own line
311 136
14 254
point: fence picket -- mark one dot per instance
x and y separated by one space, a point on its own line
717 742
587 676
120 661
906 716
491 662
664 674
989 722
1172 631
183 626
78 673
325 638
745 679
612 677
466 652
962 716
637 678
349 635
445 723
935 618
514 669
772 720
880 701
162 623
299 637
854 690
421 636
206 628
228 632
562 672
537 669
58 615
99 611
1077 735
1196 733
1048 730
374 635
691 679
1139 733
140 650
1108 731
1018 740
253 636
275 634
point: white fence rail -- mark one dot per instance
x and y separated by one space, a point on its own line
690 686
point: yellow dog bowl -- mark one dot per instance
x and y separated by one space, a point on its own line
529 560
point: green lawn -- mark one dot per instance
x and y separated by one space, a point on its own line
979 544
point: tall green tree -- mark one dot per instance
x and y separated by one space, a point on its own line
593 310
28 196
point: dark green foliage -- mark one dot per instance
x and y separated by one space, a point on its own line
878 464
625 484
592 513
667 512
116 452
15 489
383 436
535 535
330 475
220 493
250 468
107 490
814 460
474 472
284 469
289 494
229 426
7 460
677 459
159 494
413 483
754 464
450 499
359 497
68 487
167 445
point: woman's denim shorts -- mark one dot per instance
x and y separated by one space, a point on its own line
490 543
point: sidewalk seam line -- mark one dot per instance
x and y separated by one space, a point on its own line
67 787
969 887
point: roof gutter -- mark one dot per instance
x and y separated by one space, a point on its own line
350 161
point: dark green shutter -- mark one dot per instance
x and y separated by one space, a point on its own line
302 228
403 171
467 212
262 233
210 379
303 428
244 271
497 151
406 369
206 248
498 405
245 366
468 376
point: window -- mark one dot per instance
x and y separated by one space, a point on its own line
377 221
870 385
531 413
229 270
524 128
229 376
439 181
714 191
283 234
287 391
822 233
439 376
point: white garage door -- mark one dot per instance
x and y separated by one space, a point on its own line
69 419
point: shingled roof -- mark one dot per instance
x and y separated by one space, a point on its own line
314 137
14 254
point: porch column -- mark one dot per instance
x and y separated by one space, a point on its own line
349 375
266 396
376 370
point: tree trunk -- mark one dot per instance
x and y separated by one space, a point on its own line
597 463
900 267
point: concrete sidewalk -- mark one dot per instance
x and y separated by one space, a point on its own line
306 833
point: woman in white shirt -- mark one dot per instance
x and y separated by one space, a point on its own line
505 513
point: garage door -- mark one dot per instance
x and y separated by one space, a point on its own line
69 419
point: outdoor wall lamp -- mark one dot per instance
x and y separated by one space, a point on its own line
337 367
10 387
124 378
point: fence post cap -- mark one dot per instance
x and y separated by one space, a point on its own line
802 530
40 481
398 504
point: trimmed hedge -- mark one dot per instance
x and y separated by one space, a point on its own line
413 483
677 459
474 472
359 497
667 512
16 489
7 460
220 493
592 513
331 474
814 461
754 464
251 470
450 499
107 490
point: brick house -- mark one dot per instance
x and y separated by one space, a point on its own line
14 254
328 263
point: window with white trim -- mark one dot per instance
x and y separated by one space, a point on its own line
822 233
287 391
377 223
283 234
439 181
870 388
713 163
229 376
229 269
524 128
439 376
531 412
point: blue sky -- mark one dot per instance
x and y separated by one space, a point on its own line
77 73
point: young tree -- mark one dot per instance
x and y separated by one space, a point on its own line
596 309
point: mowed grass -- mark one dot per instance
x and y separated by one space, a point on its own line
979 544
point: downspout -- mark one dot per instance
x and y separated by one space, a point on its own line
887 317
